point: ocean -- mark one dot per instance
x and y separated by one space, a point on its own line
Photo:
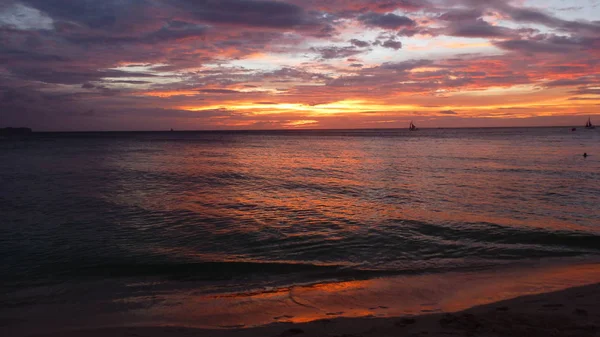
118 222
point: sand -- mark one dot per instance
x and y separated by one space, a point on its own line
571 312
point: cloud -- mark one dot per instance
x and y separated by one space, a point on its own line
256 13
392 44
64 58
461 15
448 112
131 82
593 79
406 65
359 43
478 28
386 21
407 5
329 53
532 15
345 7
219 91
107 15
531 46
587 91
73 76
536 16
8 55
584 99
172 31
22 17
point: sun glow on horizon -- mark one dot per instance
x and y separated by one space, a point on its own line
342 64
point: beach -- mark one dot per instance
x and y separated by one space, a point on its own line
572 312
535 300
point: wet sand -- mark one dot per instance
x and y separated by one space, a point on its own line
540 299
571 312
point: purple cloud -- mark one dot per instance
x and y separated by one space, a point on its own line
93 60
359 43
386 21
329 53
392 44
478 28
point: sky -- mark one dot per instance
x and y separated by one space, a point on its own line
71 65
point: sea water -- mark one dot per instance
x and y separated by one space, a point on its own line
98 219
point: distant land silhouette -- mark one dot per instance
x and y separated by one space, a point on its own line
15 132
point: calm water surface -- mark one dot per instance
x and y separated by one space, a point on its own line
235 211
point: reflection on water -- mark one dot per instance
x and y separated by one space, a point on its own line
383 200
387 297
232 212
380 297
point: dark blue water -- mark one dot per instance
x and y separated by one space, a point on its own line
223 211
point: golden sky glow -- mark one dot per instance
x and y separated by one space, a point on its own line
299 64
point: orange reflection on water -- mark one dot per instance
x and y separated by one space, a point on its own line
387 297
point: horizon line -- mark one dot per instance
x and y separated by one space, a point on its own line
307 129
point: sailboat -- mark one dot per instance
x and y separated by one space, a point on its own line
589 124
412 127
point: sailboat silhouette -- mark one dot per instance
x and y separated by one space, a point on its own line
589 124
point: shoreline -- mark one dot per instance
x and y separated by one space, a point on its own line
329 309
570 312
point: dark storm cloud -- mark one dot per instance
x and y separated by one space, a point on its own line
386 21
